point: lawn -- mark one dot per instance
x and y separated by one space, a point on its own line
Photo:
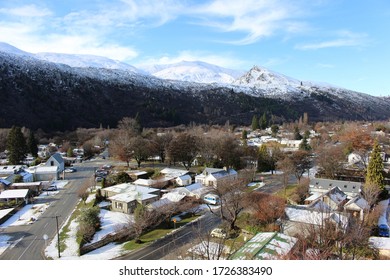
149 237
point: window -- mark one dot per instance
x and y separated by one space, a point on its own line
51 163
345 186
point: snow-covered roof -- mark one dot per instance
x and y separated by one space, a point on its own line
131 196
173 172
126 187
42 169
27 184
5 212
144 182
10 169
356 204
311 216
265 246
9 194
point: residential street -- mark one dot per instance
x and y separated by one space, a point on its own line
173 242
28 240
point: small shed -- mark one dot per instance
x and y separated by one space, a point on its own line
184 180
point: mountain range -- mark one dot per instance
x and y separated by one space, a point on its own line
64 91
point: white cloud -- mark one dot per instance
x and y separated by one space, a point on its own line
28 11
256 18
343 39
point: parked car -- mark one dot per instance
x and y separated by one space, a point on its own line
52 187
218 233
211 199
70 170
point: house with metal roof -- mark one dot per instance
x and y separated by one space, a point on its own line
265 246
319 185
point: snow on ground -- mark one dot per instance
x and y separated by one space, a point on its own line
111 221
26 215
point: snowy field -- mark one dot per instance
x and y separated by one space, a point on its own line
111 221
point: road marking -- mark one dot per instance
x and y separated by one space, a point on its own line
45 225
25 250
174 241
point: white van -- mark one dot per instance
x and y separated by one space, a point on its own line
211 199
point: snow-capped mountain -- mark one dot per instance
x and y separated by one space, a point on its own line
194 71
269 81
73 60
85 60
56 96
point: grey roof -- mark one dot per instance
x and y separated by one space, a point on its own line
58 157
328 184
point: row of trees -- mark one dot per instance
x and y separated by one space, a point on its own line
215 148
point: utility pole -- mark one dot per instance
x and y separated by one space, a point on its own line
58 238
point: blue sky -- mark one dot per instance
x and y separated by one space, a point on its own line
341 42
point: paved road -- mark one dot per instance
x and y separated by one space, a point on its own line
28 242
173 242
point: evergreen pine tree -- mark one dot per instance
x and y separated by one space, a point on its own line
375 168
244 134
16 146
263 162
297 135
255 123
32 144
263 122
304 144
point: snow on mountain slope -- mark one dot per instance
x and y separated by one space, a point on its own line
84 61
7 48
270 82
194 71
73 60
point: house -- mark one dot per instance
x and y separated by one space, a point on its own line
25 176
265 246
194 190
56 160
173 172
7 170
184 180
297 218
137 174
44 173
211 177
34 187
319 185
332 200
357 206
16 195
124 197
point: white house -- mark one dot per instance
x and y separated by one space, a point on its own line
124 197
56 160
44 173
15 195
319 185
184 180
211 177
